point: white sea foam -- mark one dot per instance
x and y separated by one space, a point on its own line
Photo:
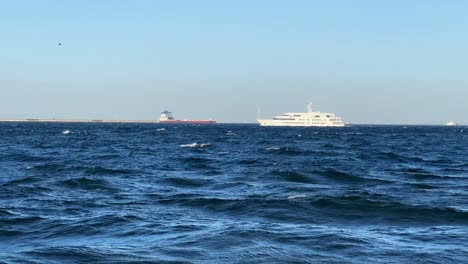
230 133
160 129
296 196
195 145
273 148
66 132
460 208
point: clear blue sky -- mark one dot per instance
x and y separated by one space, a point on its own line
368 61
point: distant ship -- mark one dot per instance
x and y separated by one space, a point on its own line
167 118
451 123
309 119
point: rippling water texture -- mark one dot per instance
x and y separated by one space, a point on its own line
135 193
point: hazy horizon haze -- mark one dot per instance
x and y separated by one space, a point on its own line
393 62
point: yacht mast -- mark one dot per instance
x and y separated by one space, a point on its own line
309 107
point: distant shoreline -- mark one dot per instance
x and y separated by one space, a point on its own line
53 120
78 120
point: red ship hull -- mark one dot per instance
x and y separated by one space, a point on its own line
187 122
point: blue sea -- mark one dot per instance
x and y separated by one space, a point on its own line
153 193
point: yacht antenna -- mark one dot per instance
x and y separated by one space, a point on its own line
309 107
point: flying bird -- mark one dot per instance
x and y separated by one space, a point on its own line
60 44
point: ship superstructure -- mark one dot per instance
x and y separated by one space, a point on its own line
166 117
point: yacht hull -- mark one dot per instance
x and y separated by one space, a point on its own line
270 122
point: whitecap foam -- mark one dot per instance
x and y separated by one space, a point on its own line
160 129
195 145
273 148
230 133
296 196
459 208
66 132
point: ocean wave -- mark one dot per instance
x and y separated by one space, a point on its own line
91 226
96 254
51 168
230 133
350 206
340 176
5 213
88 184
98 170
284 150
11 234
18 220
187 182
106 156
392 156
22 157
248 161
329 145
227 205
15 191
196 160
423 186
24 180
199 163
419 173
294 176
88 170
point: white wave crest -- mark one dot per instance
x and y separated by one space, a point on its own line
273 148
66 132
296 196
195 145
230 133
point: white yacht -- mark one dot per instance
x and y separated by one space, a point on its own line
451 123
308 119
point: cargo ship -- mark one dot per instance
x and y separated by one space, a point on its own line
167 118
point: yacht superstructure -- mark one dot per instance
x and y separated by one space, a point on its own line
308 119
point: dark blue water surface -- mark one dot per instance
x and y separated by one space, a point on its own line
149 193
